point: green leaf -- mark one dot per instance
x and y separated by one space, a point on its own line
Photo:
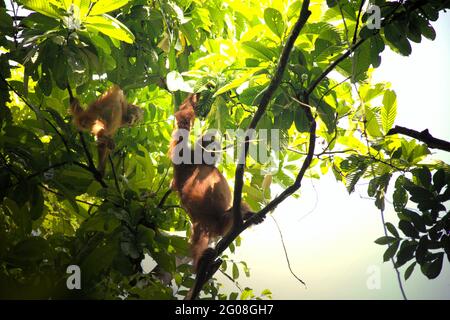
235 271
259 50
439 178
98 260
400 198
389 110
408 229
100 43
294 9
104 6
32 249
392 229
176 82
395 34
266 292
79 7
247 293
391 250
301 120
376 48
361 61
237 81
36 203
410 270
129 249
385 240
433 269
110 26
233 296
48 8
102 222
274 21
405 253
426 29
413 32
373 126
249 96
327 115
423 177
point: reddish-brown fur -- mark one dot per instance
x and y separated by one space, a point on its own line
103 118
204 192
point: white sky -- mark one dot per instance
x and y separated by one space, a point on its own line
332 249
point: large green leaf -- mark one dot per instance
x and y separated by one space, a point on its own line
237 81
104 6
433 269
274 21
79 7
395 34
259 50
110 26
389 110
45 7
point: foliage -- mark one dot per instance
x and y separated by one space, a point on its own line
54 212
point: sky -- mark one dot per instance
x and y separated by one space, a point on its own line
329 235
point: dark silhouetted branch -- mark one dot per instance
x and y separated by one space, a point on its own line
267 96
423 136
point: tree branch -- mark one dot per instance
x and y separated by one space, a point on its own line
91 166
164 198
211 265
357 21
409 6
423 136
273 85
61 195
332 66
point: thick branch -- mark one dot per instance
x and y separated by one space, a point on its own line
273 85
423 136
223 244
211 267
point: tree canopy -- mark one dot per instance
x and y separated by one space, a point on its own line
299 72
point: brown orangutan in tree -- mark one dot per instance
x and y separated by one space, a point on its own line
203 190
103 118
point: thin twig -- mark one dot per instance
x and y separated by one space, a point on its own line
399 279
116 182
357 21
61 195
231 279
164 198
285 252
345 23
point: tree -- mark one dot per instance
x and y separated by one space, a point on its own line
258 65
